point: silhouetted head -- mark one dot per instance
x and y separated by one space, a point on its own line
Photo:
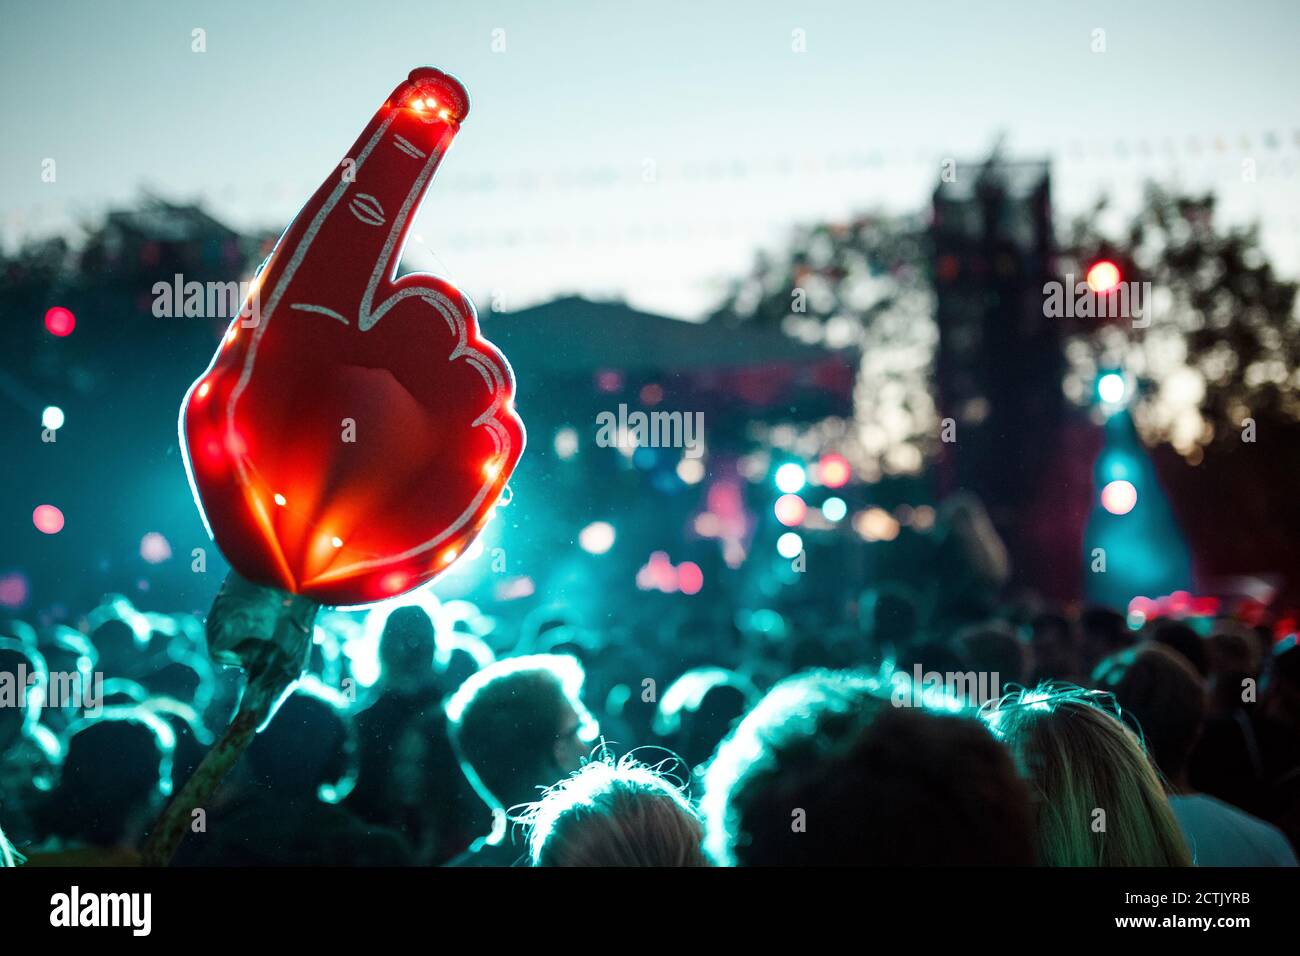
406 647
887 617
23 675
1103 632
1183 639
115 775
993 648
1057 655
699 709
826 770
1159 691
519 724
307 745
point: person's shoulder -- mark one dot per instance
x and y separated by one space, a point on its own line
1229 822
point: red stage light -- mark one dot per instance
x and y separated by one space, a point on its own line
60 321
1103 276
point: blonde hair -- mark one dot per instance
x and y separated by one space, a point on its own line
610 813
8 855
1080 759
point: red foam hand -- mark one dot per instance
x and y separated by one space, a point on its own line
349 444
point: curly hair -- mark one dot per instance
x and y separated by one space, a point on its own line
615 813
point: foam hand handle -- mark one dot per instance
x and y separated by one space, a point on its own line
352 437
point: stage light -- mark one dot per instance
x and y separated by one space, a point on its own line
52 418
791 477
1119 497
1103 276
48 519
597 537
833 471
834 509
790 510
1111 388
60 321
789 545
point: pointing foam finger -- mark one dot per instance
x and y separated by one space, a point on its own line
348 238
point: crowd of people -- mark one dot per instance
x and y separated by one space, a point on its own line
1030 738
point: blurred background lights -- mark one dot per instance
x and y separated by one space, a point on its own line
791 477
1103 276
154 548
1110 388
48 519
689 577
52 418
1119 497
60 321
834 509
690 470
833 471
876 524
597 537
790 510
789 545
14 589
566 442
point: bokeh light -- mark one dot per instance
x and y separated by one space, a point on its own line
52 418
690 470
833 471
834 509
689 577
1119 497
60 321
566 443
1111 388
789 545
876 524
1103 276
790 510
48 519
14 589
154 548
597 537
791 477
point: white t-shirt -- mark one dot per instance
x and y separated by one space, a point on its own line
1221 835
